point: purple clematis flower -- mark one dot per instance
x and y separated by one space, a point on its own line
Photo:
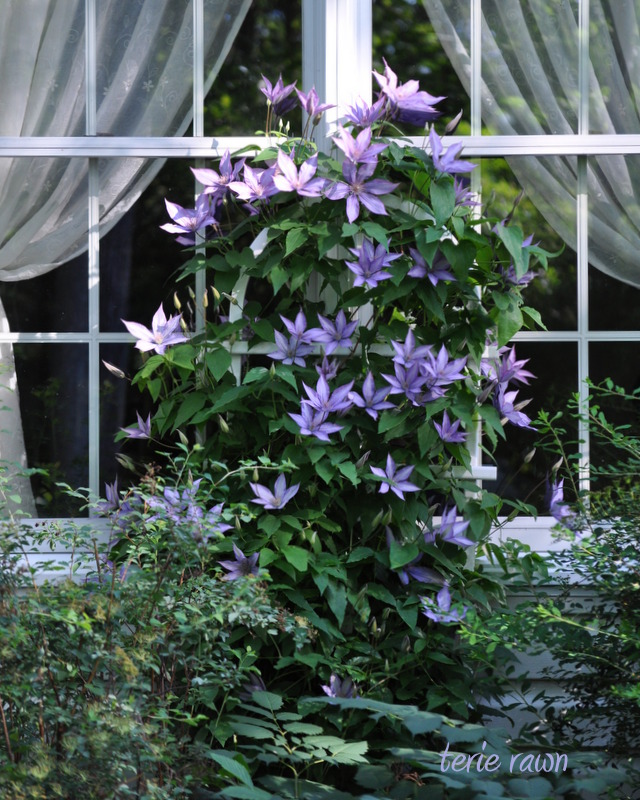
437 272
329 369
554 498
394 478
448 431
143 431
163 333
450 530
406 103
441 610
188 221
364 115
439 371
216 184
290 179
340 687
412 570
322 399
359 150
290 351
334 334
279 96
408 354
310 103
257 184
314 423
369 269
372 400
276 499
506 369
505 403
407 381
446 160
242 566
359 189
298 328
463 195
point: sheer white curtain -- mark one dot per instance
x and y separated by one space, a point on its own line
144 88
530 85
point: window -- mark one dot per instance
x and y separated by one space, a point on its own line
575 124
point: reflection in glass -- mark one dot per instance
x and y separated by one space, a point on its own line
555 365
53 403
612 305
552 293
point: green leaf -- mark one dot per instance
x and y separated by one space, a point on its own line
509 323
401 554
349 471
279 277
443 200
268 700
296 556
255 374
218 362
191 404
295 239
250 730
376 232
349 752
230 765
337 599
246 793
325 471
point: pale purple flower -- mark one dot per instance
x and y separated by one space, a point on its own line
407 354
554 501
440 611
448 431
435 273
322 399
450 530
298 328
276 499
505 403
406 102
446 160
369 269
439 371
463 195
506 369
142 431
188 221
408 381
334 334
359 189
310 102
372 399
256 184
364 115
314 423
328 368
216 184
242 567
394 478
359 150
279 96
164 332
302 181
290 351
340 687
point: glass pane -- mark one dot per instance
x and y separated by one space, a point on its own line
530 66
618 361
613 305
138 261
404 36
555 365
269 44
615 60
614 216
56 301
547 212
52 381
42 61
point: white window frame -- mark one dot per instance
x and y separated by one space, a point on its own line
337 59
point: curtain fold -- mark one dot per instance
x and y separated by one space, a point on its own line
144 88
530 85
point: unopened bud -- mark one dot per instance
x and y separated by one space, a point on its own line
216 294
125 462
557 465
183 325
451 126
205 300
114 370
223 424
374 626
312 489
272 370
192 294
176 302
529 456
363 460
377 520
183 438
237 524
406 645
256 475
